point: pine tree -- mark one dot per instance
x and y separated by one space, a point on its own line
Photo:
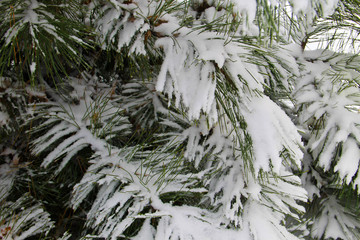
167 119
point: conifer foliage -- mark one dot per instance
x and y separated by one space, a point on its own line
178 120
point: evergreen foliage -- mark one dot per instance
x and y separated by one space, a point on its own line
168 119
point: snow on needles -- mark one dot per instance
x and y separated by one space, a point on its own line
188 71
331 112
271 130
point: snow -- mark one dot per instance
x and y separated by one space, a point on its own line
128 31
328 101
263 224
30 15
210 14
195 63
30 220
182 75
248 73
271 130
348 163
62 148
78 40
188 223
121 24
7 177
328 7
4 117
254 190
300 5
138 46
246 7
36 92
32 67
334 221
51 136
35 227
147 232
